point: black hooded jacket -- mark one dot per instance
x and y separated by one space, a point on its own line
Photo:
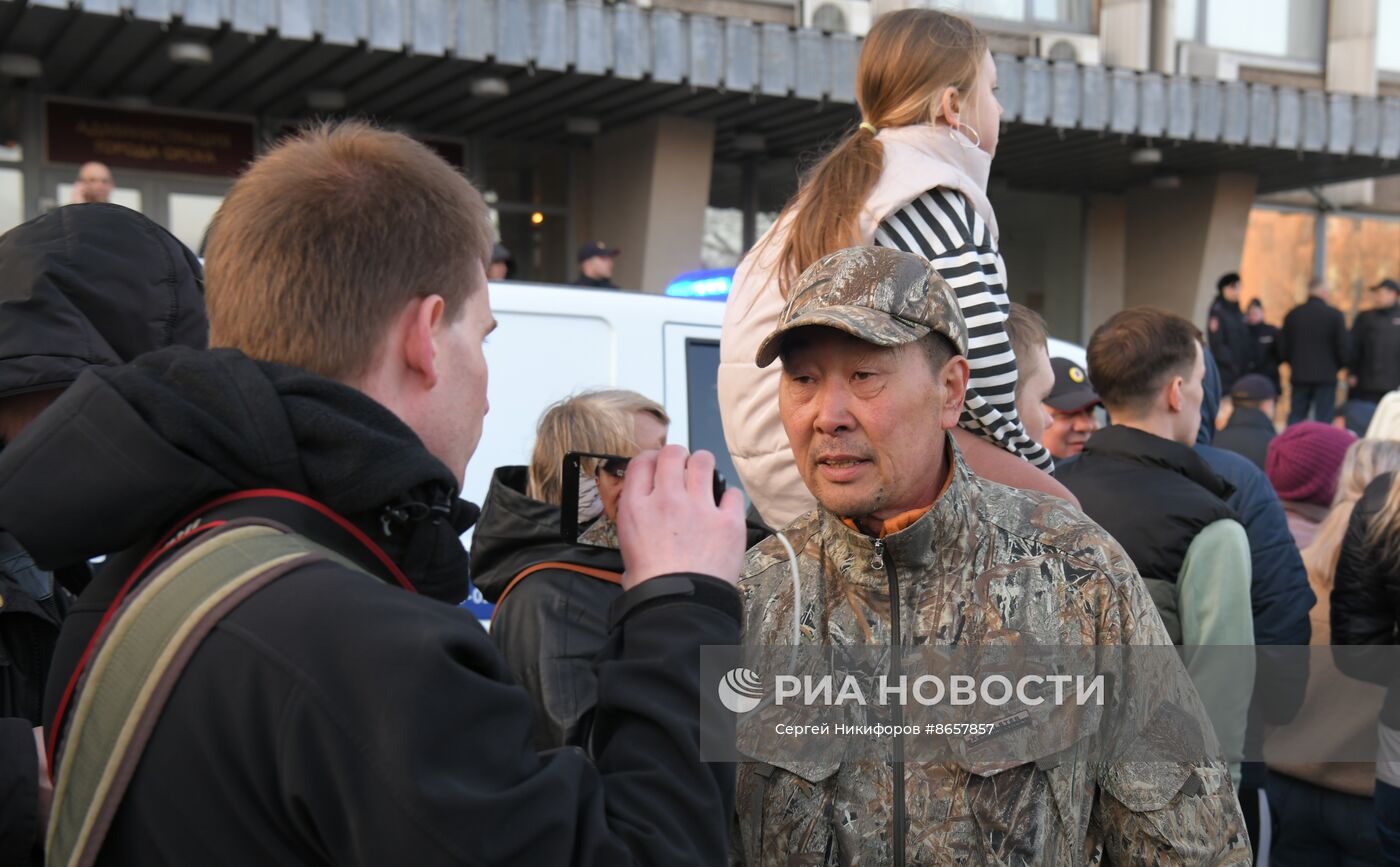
554 622
1366 601
333 720
83 286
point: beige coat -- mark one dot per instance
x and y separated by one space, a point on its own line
917 159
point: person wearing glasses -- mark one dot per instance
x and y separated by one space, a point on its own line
555 620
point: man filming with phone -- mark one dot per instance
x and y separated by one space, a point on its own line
282 527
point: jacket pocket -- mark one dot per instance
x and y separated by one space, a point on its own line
787 814
1028 813
1145 787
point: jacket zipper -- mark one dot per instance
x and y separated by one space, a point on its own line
896 667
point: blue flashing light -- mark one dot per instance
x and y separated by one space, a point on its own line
710 285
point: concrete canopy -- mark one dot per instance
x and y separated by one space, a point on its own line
412 63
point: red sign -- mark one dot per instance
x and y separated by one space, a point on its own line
148 140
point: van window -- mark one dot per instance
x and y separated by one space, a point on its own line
702 402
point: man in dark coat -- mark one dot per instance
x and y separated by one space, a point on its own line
1375 339
349 712
85 286
1314 342
1266 347
1251 425
1141 481
595 266
1230 339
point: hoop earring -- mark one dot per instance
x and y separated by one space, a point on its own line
975 138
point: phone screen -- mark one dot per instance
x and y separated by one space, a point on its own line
592 486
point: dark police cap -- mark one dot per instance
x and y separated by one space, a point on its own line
1072 391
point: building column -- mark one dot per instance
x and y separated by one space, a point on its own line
1351 46
1179 241
651 185
1125 33
1105 259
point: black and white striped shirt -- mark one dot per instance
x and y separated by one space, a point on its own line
942 226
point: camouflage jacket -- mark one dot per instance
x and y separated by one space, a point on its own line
985 562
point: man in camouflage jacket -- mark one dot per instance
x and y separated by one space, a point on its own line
909 549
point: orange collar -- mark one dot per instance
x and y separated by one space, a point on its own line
907 519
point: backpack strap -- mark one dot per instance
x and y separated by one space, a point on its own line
600 574
137 660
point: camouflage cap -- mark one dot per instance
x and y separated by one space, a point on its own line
878 294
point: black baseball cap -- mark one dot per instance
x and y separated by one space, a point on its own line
1387 283
1253 386
1072 391
596 248
501 253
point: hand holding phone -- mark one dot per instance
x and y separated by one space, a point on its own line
668 519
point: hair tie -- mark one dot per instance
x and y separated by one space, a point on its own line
869 127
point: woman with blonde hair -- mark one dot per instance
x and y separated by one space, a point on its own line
1326 810
556 618
913 176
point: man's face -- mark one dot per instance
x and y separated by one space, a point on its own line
598 267
1254 315
1067 432
867 423
1037 381
1385 298
95 181
497 271
1187 421
1231 293
460 395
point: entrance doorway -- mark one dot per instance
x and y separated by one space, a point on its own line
184 205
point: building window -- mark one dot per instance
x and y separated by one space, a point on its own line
1388 36
1290 29
1048 14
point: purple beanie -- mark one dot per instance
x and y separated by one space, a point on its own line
1305 461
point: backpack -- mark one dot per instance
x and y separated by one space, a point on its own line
151 630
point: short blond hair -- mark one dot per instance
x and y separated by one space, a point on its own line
326 237
601 422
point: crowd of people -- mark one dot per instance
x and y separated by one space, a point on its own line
263 453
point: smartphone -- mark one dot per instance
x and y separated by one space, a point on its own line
583 520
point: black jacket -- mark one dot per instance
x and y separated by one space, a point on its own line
1366 602
595 282
1375 363
335 720
82 286
1151 494
1231 341
1314 342
1248 433
1266 352
554 623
